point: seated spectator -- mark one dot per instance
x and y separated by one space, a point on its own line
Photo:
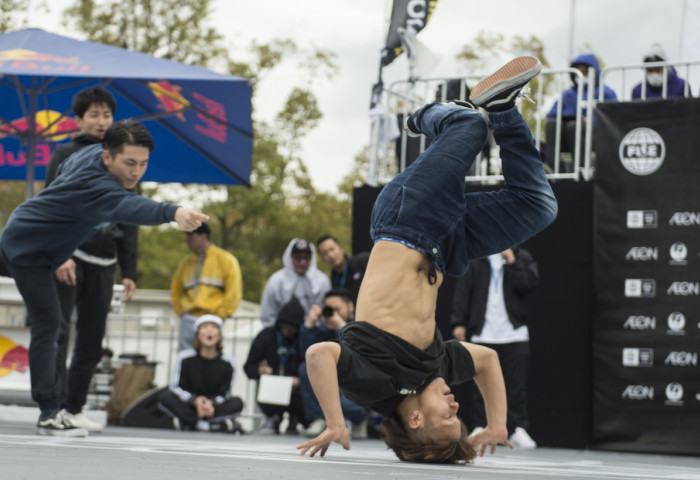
322 325
569 102
199 397
675 85
275 351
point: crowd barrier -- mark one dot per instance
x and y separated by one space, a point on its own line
155 339
403 97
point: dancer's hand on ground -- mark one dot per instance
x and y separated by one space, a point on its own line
322 442
489 436
189 219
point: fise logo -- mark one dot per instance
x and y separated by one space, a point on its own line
642 219
640 287
642 151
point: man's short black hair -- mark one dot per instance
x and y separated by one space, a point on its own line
323 238
343 293
126 132
95 95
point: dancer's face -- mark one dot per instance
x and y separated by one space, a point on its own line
439 408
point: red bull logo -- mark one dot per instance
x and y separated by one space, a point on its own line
13 357
170 98
22 59
49 124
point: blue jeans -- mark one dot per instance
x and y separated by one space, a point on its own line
425 206
312 409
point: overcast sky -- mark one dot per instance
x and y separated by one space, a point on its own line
619 31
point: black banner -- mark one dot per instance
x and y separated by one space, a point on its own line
646 339
412 16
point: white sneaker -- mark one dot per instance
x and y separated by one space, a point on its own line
80 420
316 428
521 439
60 425
358 431
475 431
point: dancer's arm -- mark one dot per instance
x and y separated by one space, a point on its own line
321 365
489 379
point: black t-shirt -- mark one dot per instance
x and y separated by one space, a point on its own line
377 369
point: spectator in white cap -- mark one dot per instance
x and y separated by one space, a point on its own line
653 86
200 394
299 278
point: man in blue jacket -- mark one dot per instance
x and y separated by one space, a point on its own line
569 103
93 187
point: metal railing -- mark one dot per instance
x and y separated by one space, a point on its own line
577 163
403 97
625 77
156 338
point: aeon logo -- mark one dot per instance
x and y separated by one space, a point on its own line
639 392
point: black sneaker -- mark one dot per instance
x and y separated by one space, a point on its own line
498 91
409 125
59 425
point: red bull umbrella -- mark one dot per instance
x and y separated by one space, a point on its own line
200 120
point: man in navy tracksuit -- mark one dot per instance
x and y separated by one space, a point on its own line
92 188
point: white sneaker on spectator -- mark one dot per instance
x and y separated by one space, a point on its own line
475 431
80 420
358 431
316 428
521 439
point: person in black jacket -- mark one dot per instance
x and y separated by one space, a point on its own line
489 308
346 272
275 351
85 280
200 394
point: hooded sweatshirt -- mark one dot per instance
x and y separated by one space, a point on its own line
675 85
46 229
309 288
568 98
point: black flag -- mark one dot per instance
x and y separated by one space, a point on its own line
412 16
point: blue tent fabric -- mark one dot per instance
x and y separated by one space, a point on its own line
200 120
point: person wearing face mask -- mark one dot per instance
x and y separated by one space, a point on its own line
654 79
569 101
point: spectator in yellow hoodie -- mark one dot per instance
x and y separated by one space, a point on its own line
208 281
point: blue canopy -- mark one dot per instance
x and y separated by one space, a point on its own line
200 120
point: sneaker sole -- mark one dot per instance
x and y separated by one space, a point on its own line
518 71
69 432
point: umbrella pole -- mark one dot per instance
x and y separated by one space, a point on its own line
31 143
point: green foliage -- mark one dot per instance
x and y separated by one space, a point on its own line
14 13
254 224
173 29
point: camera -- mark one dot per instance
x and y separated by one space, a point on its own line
327 312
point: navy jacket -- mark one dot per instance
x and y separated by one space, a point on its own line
46 230
472 291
